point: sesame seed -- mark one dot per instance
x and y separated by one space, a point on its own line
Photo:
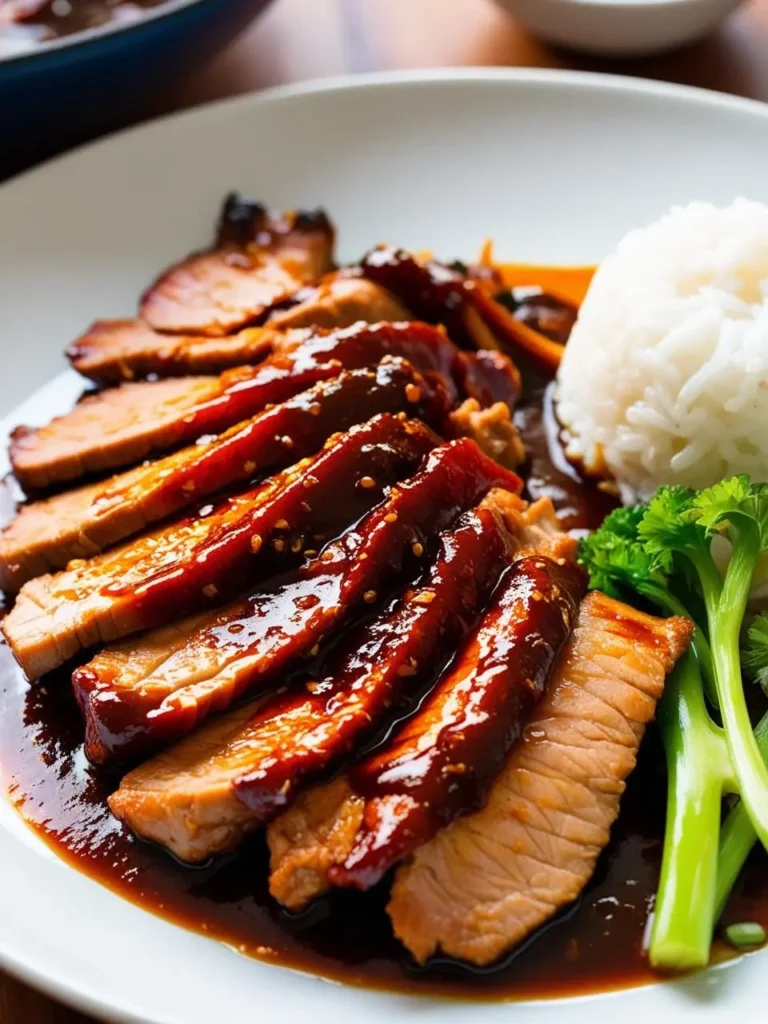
425 597
391 518
406 670
278 545
315 650
297 545
189 486
249 466
417 549
210 590
412 392
326 555
256 543
282 524
369 596
367 481
310 552
315 408
310 481
287 441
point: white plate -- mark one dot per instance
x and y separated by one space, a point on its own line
556 167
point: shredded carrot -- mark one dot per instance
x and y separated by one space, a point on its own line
568 283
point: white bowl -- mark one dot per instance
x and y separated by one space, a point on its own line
620 27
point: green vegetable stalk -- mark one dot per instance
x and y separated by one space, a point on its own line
662 552
700 772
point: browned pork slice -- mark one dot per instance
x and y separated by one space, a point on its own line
47 534
124 424
206 667
259 260
489 879
340 300
111 351
206 558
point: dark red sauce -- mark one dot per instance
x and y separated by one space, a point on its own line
597 944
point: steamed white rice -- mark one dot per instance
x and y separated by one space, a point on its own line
665 376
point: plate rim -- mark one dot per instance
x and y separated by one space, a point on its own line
363 81
23 967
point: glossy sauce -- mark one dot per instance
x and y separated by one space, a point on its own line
594 945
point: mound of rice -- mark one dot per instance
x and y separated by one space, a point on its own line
665 376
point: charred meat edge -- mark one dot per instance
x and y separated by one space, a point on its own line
259 259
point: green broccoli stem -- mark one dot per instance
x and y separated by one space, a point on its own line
699 770
725 617
737 836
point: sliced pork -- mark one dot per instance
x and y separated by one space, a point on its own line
259 260
340 300
111 351
125 424
47 534
442 762
205 666
201 560
297 736
167 799
488 880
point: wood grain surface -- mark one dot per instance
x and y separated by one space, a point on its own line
301 39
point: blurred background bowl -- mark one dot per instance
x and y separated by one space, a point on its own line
79 85
620 28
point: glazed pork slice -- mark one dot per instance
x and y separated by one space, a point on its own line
81 523
202 667
184 798
202 560
111 351
123 425
259 260
441 763
487 881
383 663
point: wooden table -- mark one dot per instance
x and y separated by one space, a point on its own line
300 39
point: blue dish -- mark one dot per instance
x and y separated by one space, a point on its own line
80 84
